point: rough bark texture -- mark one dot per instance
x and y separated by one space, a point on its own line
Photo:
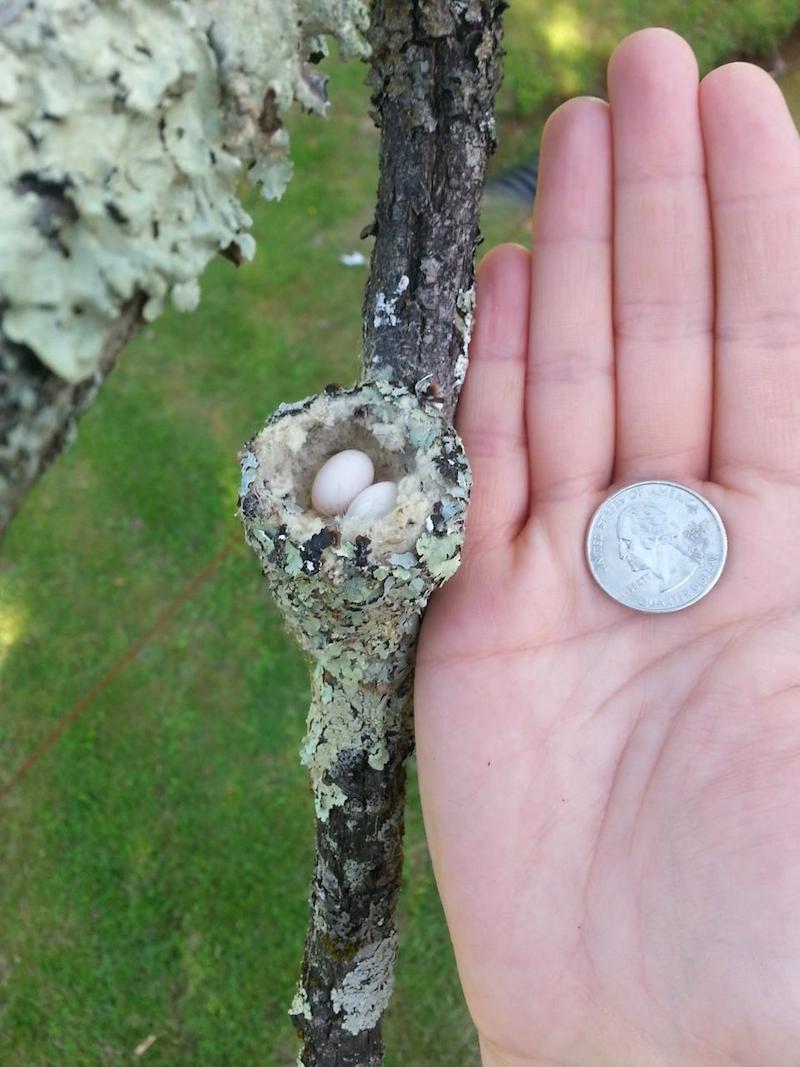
355 599
39 411
436 66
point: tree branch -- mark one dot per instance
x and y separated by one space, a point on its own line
436 67
354 594
39 411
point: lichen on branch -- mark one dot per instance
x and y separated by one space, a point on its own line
354 598
353 592
125 131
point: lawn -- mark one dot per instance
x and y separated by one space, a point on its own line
156 856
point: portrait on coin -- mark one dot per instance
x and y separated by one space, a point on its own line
650 541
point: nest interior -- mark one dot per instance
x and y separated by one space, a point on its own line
400 438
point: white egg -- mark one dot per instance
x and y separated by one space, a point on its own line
374 502
341 479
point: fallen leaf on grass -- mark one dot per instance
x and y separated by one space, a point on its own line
143 1046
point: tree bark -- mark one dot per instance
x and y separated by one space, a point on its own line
39 411
435 70
436 67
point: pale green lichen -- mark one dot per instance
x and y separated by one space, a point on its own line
340 718
353 591
300 1003
367 989
386 307
440 554
124 130
465 303
264 48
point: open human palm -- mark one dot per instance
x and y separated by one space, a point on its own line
612 798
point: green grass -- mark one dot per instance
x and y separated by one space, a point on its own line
559 48
156 858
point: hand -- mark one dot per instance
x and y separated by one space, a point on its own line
611 798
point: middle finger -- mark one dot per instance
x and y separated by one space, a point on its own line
663 265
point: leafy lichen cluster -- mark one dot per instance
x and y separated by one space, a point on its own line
124 130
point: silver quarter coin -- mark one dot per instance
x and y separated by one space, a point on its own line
656 546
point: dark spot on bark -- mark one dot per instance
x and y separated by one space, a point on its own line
162 125
118 216
311 551
473 42
180 132
331 389
362 551
316 57
121 93
249 505
234 253
156 229
54 208
77 309
279 541
317 83
438 520
212 155
450 465
31 182
403 688
337 948
269 120
143 49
